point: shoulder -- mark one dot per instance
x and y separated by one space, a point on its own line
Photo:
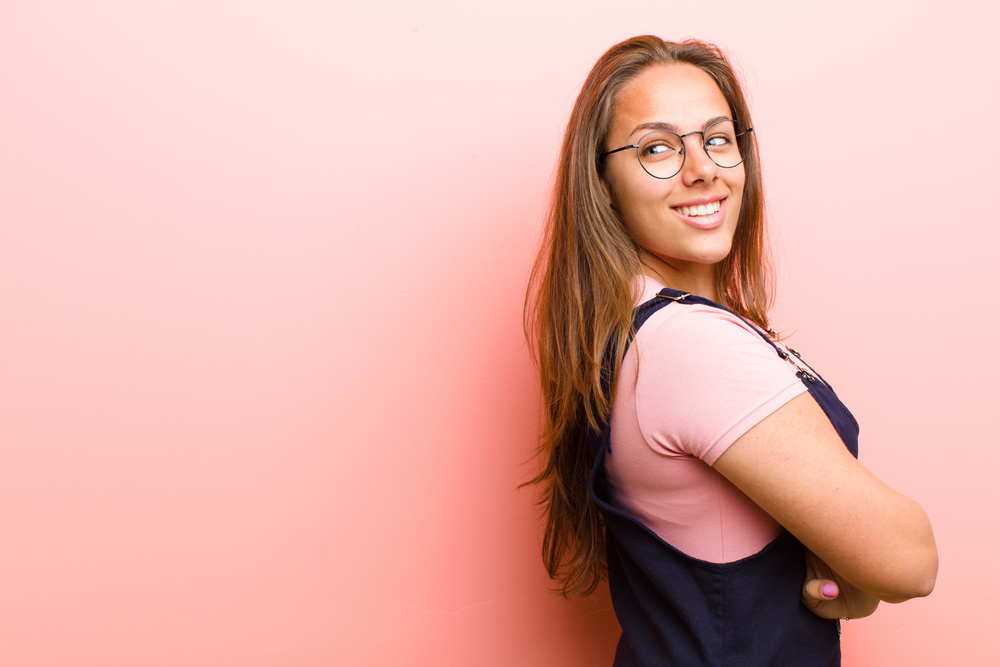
703 377
684 330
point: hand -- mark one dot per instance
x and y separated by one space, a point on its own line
828 595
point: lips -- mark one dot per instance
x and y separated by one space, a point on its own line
699 209
705 213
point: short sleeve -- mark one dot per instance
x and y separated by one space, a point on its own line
705 378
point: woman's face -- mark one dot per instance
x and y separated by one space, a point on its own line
678 243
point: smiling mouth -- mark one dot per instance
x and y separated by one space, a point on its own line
700 209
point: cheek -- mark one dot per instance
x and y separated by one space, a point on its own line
737 187
636 192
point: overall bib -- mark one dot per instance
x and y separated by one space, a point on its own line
680 611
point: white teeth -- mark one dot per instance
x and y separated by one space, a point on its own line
701 209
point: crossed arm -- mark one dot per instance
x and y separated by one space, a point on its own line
872 542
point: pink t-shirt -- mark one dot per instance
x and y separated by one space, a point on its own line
705 377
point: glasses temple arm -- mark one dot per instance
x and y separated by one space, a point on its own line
607 153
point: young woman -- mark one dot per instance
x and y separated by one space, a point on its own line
689 455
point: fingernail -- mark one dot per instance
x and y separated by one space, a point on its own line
829 590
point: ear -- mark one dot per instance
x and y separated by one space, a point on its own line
607 191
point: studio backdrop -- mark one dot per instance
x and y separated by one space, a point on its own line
264 392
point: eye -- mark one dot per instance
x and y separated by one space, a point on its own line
659 149
718 140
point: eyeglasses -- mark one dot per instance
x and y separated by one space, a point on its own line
662 153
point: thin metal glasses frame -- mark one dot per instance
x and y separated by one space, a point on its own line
747 130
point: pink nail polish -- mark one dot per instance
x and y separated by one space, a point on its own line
829 590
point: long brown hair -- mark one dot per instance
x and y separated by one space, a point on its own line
579 302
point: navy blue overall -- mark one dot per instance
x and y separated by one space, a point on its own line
681 611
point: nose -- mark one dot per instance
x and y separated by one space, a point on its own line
697 165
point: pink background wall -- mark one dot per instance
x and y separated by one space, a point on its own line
264 396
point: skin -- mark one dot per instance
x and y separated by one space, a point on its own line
868 541
677 250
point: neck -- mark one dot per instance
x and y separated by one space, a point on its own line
697 279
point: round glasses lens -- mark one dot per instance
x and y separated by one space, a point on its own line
726 143
661 154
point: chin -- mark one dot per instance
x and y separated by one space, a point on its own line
713 256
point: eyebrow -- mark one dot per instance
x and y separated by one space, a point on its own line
669 127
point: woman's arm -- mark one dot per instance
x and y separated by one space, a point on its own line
795 466
828 595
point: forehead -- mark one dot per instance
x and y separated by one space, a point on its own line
679 93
